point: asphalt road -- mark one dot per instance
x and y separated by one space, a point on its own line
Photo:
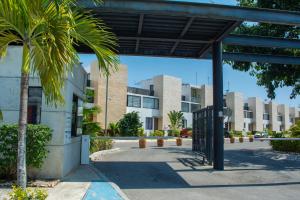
252 171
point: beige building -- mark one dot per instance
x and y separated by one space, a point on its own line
154 98
117 93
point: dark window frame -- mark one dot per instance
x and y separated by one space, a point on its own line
155 103
39 110
149 123
132 105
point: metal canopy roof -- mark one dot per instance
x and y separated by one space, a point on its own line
184 30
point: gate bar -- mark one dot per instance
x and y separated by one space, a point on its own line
218 107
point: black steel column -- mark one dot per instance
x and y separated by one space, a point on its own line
218 106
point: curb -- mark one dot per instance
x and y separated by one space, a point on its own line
104 178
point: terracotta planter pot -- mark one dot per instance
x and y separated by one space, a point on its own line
142 143
160 142
232 140
241 140
251 139
179 141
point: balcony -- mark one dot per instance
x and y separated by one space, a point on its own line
195 99
140 91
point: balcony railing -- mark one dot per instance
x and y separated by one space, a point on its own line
140 91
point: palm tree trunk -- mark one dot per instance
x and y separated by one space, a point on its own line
21 164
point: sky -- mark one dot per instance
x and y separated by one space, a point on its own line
140 68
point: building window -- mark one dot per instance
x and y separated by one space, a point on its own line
184 123
195 107
34 105
151 103
151 90
246 106
225 103
248 114
133 101
244 125
149 123
183 98
266 116
279 118
77 116
185 107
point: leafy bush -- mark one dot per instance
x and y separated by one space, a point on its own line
295 130
158 133
129 125
100 144
238 133
141 132
231 134
37 138
18 193
113 129
287 145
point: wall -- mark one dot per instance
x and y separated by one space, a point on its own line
285 112
168 90
235 103
117 93
206 97
64 152
257 106
274 124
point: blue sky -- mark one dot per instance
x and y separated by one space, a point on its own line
140 68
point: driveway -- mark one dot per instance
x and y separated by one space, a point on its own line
252 171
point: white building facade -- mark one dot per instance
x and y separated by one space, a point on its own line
65 120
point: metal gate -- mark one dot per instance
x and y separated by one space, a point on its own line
203 133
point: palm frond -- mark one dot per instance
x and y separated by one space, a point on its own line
5 39
94 34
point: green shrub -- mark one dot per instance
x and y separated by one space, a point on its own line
37 138
158 133
238 133
295 130
129 125
100 145
141 132
18 193
231 134
176 133
113 129
286 145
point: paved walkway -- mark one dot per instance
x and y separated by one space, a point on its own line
88 184
84 183
252 171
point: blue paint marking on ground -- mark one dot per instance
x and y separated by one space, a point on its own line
101 191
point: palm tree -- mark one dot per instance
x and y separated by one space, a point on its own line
175 118
48 31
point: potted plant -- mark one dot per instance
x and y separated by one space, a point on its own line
160 140
142 143
241 139
142 140
231 137
177 134
251 139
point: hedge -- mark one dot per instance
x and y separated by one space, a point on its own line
100 144
286 145
36 139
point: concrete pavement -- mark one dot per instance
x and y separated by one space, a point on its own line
252 171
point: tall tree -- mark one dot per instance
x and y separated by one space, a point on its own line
271 76
48 31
